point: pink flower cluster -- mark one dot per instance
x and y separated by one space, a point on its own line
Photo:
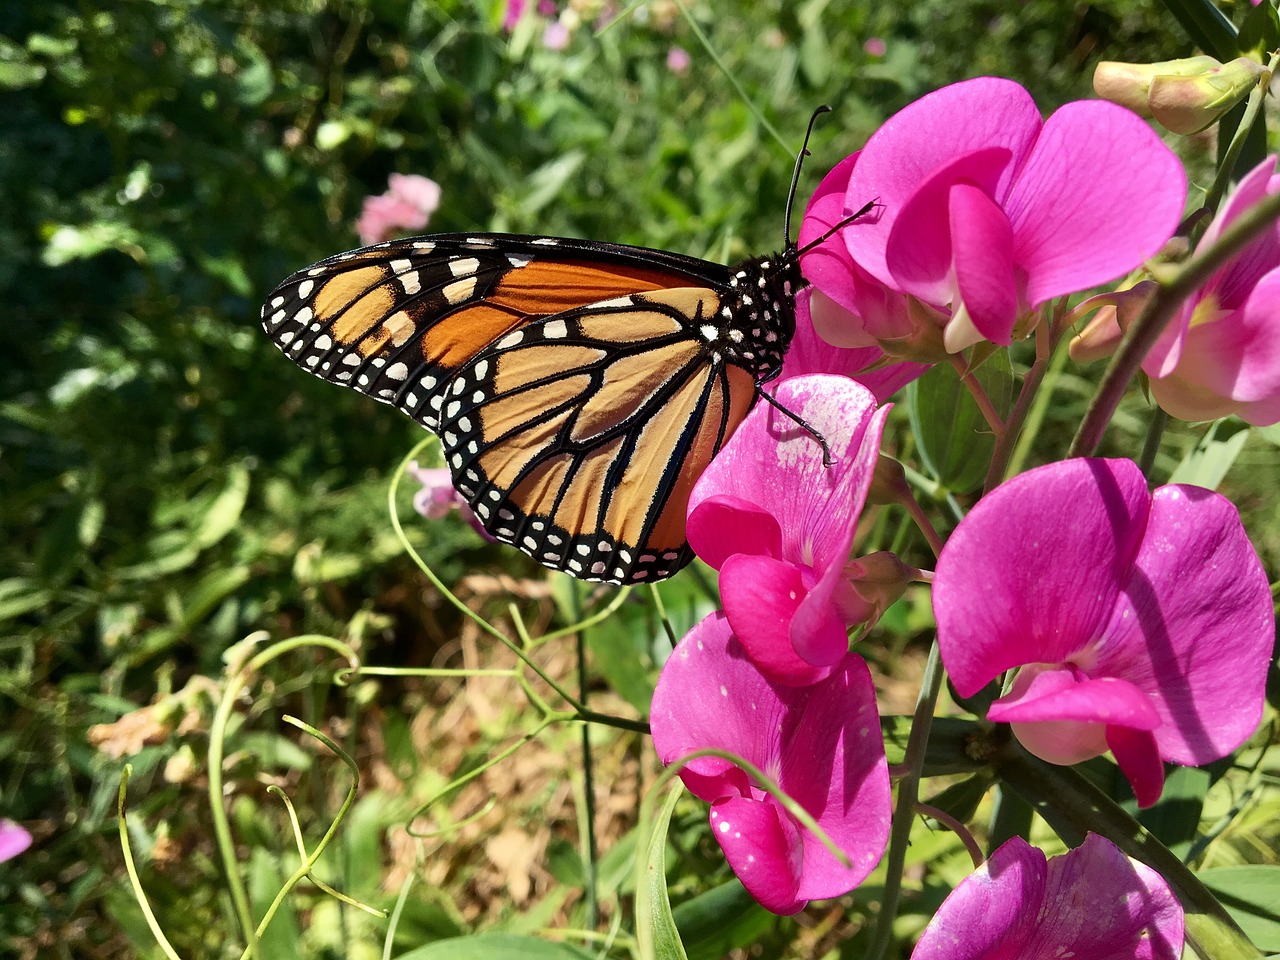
407 205
1139 623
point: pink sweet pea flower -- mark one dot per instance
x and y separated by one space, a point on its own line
779 525
1091 903
407 205
821 744
14 839
811 353
1142 622
985 211
437 497
1221 354
511 16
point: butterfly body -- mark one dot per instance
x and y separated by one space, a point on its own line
578 388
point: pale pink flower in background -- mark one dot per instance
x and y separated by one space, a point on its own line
556 36
875 47
678 60
14 839
407 205
437 497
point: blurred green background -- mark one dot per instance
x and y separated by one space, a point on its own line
169 483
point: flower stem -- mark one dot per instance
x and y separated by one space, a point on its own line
1007 440
956 827
979 394
904 811
1155 316
1227 165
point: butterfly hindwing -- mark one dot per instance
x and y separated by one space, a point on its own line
578 437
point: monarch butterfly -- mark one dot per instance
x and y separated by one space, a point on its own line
578 388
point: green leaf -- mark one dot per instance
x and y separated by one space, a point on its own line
267 874
496 946
961 799
722 919
1208 462
953 437
1251 895
18 595
1175 818
226 509
656 931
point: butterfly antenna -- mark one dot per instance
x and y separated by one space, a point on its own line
809 428
817 241
795 176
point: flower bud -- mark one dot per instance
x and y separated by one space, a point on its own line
1184 96
1102 335
1129 84
1189 104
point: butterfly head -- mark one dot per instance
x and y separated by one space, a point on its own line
760 311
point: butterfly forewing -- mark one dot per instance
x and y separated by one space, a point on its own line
579 388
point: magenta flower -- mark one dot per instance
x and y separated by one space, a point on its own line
1221 354
811 353
512 14
985 211
821 744
1142 622
1091 903
407 205
778 525
14 839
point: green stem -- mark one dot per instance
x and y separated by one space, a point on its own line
1227 164
1157 313
1008 439
217 739
904 811
715 58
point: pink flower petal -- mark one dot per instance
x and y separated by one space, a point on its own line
1195 625
992 913
1099 194
1031 575
764 848
821 743
760 597
925 135
920 253
811 353
829 266
774 463
1237 357
1091 903
1106 700
1138 757
14 839
722 525
1101 905
982 242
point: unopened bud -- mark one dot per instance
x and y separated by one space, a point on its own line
1189 104
1102 335
1128 84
